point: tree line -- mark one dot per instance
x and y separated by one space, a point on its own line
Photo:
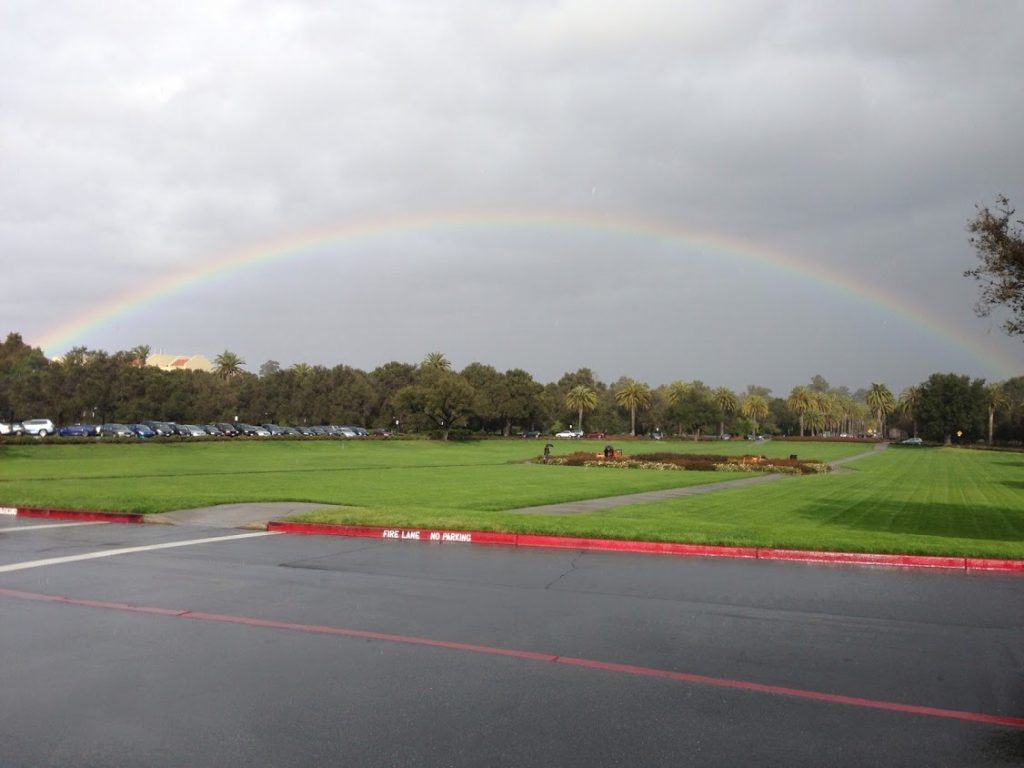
94 386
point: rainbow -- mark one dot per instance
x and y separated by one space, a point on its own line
71 330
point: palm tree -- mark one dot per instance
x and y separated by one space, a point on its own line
816 421
755 408
633 395
229 365
139 354
910 399
834 411
437 360
995 399
881 401
677 391
581 397
301 369
860 415
727 402
801 400
847 412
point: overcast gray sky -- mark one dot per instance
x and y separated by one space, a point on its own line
741 192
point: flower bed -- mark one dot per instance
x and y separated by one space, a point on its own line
693 463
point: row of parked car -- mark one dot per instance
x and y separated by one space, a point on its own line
147 429
38 427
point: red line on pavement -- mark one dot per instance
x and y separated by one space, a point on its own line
607 666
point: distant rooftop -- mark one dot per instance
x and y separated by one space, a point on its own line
180 362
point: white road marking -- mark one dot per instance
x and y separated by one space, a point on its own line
127 551
51 525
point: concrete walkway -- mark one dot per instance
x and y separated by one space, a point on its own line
595 505
244 515
837 465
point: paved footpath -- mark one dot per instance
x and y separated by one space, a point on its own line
595 505
244 515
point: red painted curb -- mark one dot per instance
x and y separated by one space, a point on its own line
619 545
440 535
395 534
76 514
649 547
862 558
984 564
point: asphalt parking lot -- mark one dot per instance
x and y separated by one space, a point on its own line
230 647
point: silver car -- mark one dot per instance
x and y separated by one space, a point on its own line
38 427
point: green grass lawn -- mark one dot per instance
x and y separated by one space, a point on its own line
158 477
936 501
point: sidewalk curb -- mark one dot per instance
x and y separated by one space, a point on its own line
444 536
447 536
75 514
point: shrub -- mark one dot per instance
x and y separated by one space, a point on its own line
693 463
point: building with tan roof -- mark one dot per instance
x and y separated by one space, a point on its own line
180 362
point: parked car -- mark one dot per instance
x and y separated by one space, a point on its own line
142 431
532 434
113 429
213 430
38 427
79 430
345 432
596 435
912 441
194 430
226 429
251 430
568 433
161 428
11 428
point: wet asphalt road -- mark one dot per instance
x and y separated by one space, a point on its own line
147 661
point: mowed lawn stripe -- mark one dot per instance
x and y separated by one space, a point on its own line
928 501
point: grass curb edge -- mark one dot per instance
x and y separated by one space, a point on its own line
443 536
